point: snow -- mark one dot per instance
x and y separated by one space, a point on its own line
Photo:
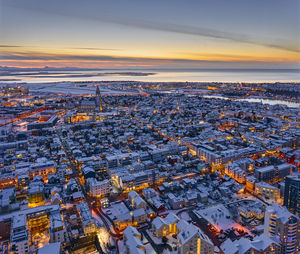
171 240
97 218
149 249
185 216
155 239
70 88
218 216
121 247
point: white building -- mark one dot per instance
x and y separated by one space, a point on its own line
19 235
284 226
192 240
133 243
57 230
87 220
260 244
267 191
98 188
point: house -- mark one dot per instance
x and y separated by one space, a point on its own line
56 199
259 245
162 227
133 243
192 240
159 228
203 196
136 201
124 220
87 219
190 198
139 203
139 216
250 183
130 232
175 202
157 204
149 193
57 230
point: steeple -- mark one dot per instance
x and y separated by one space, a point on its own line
99 99
97 91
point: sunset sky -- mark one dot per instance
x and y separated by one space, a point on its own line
150 34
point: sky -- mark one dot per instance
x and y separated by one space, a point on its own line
150 34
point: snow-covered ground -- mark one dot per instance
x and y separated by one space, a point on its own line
71 88
218 216
149 249
122 248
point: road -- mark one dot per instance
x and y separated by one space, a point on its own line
76 175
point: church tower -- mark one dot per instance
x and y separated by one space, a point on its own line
99 99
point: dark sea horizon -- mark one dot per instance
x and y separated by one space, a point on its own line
149 75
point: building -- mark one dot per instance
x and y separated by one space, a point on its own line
124 220
19 236
44 122
283 226
139 180
175 202
235 172
149 193
43 167
267 191
57 230
87 220
139 216
99 104
250 183
98 188
163 227
133 241
271 174
26 223
136 201
191 240
104 203
260 245
87 106
255 210
292 193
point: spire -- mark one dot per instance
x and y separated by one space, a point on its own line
97 91
99 99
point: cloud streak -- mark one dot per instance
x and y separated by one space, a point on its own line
9 46
97 49
211 33
57 57
168 27
36 56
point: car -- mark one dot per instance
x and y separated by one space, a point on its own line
108 212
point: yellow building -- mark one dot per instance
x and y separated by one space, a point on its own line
163 227
267 191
